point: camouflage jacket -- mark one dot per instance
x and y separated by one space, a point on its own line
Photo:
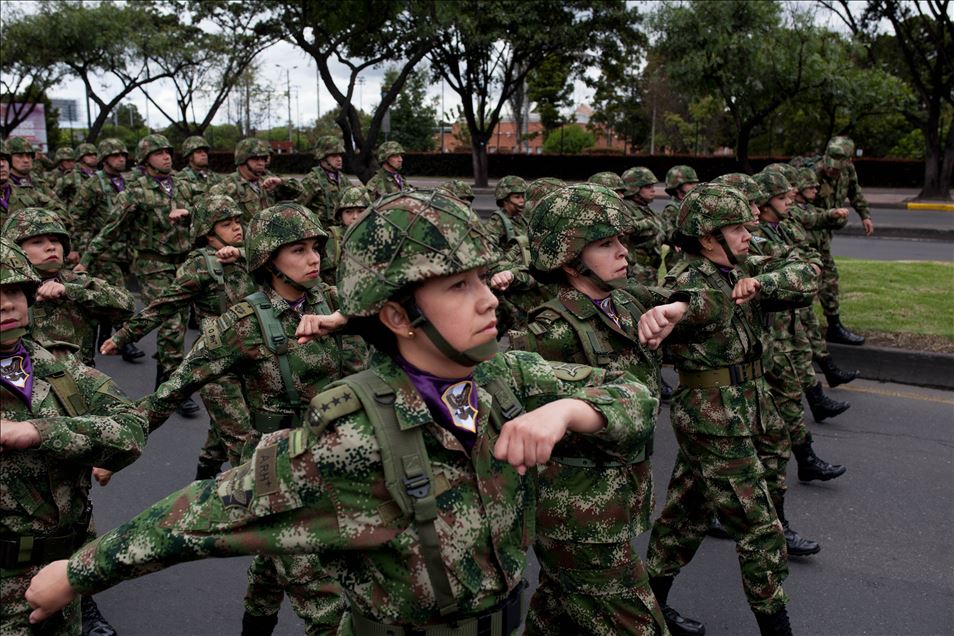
818 223
141 211
234 343
196 184
91 206
45 488
497 229
195 284
320 194
73 318
306 491
31 194
332 255
733 411
645 237
251 198
68 184
384 182
834 191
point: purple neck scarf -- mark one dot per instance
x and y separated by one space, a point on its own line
452 403
16 373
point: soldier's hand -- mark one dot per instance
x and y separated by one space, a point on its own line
528 440
49 591
745 290
102 475
50 290
816 268
657 323
501 280
228 254
314 326
18 435
270 183
869 226
841 213
80 268
178 213
73 257
109 347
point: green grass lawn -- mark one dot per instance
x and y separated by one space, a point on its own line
900 303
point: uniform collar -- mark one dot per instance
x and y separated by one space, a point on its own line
409 406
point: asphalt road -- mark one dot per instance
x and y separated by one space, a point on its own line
886 565
892 249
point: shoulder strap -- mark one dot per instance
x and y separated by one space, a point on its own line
66 391
214 268
407 475
507 223
598 351
277 342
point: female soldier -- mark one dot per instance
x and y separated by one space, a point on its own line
410 480
353 201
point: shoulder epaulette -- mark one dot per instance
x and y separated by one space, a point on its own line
330 405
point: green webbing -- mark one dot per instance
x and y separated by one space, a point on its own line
277 342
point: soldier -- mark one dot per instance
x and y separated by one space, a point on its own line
388 179
68 305
20 190
57 418
250 186
64 161
148 211
721 402
212 279
838 182
410 482
352 203
507 224
322 187
591 578
679 181
458 188
609 180
639 190
69 183
197 176
747 186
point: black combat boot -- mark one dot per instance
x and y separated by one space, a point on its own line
833 374
665 392
207 470
776 624
131 352
188 408
93 622
258 625
822 406
716 529
797 544
678 625
837 332
810 467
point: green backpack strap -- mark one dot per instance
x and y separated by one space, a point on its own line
408 476
214 269
277 342
513 238
505 406
65 389
598 352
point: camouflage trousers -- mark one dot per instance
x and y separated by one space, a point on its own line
229 424
314 596
596 588
828 284
814 332
109 270
722 475
789 375
15 612
154 276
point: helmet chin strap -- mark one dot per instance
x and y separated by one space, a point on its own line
735 259
49 266
587 273
282 276
222 240
467 358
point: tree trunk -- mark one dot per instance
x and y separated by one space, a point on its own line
937 161
478 154
742 148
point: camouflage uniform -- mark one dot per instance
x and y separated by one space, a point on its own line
646 235
351 197
196 182
25 192
322 489
385 182
458 188
321 188
676 177
590 507
68 184
721 412
83 420
67 324
250 196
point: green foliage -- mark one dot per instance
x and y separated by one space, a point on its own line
910 146
550 87
130 137
568 140
223 136
413 117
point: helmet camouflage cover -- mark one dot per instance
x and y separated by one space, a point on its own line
19 146
838 152
279 225
773 184
193 143
30 222
787 170
609 180
388 149
678 176
328 145
539 188
353 197
567 220
251 147
711 206
636 178
110 146
15 269
64 153
85 149
511 184
459 189
150 144
806 178
207 213
406 238
743 183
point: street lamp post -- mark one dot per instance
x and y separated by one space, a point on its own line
288 95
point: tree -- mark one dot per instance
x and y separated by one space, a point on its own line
412 117
550 87
921 52
568 140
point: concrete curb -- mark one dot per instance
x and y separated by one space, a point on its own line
897 231
904 366
928 205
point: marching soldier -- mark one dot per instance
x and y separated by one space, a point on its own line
323 186
388 179
250 186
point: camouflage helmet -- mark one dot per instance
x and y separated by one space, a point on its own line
459 189
85 149
678 176
773 184
711 206
636 178
787 170
806 178
29 222
838 152
279 225
150 144
16 269
743 183
511 184
328 145
64 153
353 197
407 238
388 149
539 188
110 146
609 180
568 220
210 211
193 143
251 147
19 146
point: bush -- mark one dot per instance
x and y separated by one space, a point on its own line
568 140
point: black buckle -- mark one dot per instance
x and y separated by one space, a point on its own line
281 344
417 486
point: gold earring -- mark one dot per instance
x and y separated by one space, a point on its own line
410 334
